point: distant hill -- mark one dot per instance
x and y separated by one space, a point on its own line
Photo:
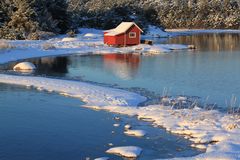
166 13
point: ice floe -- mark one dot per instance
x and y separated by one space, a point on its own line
137 133
127 126
116 125
126 151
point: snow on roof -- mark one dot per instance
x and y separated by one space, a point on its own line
121 28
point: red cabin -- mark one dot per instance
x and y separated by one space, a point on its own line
125 34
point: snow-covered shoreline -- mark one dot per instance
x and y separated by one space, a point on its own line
212 130
215 132
89 41
88 93
78 47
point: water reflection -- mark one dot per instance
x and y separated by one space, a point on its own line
53 65
125 66
209 42
56 65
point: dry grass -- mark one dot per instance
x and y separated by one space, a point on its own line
48 46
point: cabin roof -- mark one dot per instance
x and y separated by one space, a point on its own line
121 28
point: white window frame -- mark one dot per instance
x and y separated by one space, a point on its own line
132 34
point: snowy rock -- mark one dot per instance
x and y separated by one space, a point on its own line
117 118
137 133
116 125
127 126
110 144
199 146
24 66
69 39
165 100
182 98
126 151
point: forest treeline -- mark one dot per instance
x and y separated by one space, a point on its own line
39 19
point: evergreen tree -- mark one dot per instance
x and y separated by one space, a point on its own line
53 15
22 22
5 10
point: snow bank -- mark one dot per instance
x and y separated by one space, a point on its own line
92 35
128 151
88 93
217 131
88 41
156 32
24 66
30 49
157 48
69 39
84 31
137 133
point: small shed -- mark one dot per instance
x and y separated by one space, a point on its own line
125 34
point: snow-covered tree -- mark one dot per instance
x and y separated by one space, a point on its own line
22 22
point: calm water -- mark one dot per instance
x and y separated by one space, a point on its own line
210 71
46 126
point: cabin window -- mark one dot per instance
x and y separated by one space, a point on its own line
132 35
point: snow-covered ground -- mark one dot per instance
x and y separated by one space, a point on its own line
156 32
81 46
89 41
88 93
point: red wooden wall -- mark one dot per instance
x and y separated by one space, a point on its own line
119 40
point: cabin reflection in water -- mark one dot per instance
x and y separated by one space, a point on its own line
125 66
